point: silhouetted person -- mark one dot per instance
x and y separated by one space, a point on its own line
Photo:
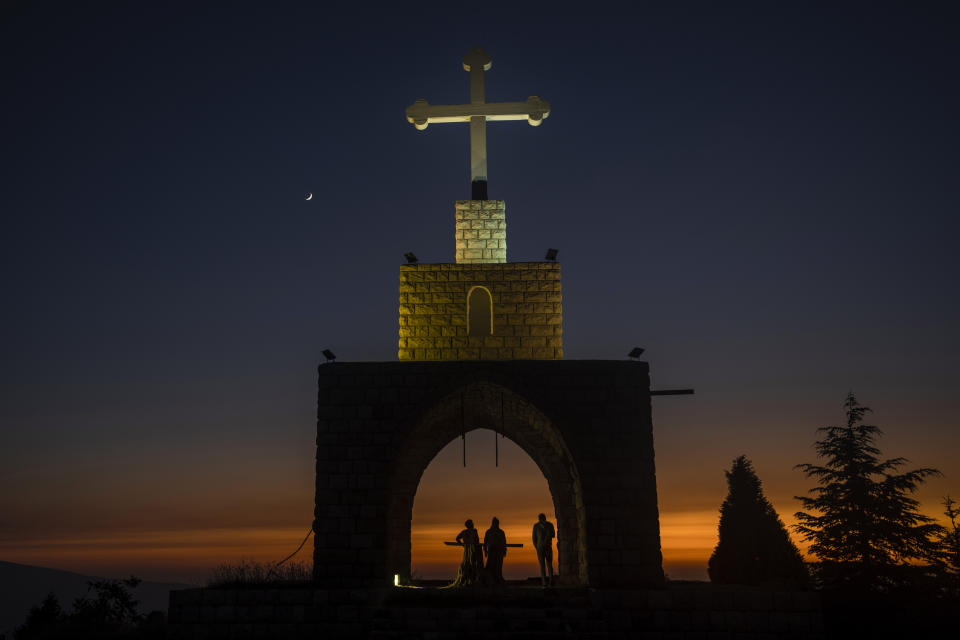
543 535
495 546
471 566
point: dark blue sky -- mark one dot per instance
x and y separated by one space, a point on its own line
763 195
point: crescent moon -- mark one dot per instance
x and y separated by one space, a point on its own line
309 196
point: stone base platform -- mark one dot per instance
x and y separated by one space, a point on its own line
681 612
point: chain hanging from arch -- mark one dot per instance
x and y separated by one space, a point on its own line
496 434
496 440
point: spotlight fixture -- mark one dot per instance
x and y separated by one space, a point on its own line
635 353
551 254
411 259
329 355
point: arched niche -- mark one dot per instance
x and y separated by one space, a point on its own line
479 312
484 405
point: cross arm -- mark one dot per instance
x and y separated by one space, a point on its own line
534 110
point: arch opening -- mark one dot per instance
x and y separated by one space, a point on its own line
484 405
479 312
448 493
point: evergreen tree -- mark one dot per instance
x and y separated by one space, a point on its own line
950 541
754 546
868 527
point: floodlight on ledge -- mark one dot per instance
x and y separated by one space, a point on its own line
635 353
551 254
396 579
329 355
411 258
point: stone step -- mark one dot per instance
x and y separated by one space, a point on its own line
517 624
483 635
534 598
511 614
411 620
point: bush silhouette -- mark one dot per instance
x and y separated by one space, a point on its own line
754 546
247 573
109 610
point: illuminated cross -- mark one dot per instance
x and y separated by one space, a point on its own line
477 113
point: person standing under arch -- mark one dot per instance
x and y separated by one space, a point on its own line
543 535
495 546
471 567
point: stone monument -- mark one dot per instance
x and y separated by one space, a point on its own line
480 346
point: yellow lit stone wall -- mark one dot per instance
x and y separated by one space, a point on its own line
481 234
527 313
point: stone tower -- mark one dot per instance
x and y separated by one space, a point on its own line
481 307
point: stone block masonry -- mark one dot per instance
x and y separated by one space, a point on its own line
698 612
526 305
481 231
586 425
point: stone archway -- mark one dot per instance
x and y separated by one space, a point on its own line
586 424
485 405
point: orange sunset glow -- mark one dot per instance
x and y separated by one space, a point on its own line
276 278
254 500
516 492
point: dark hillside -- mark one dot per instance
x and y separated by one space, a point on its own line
23 586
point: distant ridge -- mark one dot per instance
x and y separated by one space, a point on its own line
23 586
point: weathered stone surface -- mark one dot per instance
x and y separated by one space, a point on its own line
512 612
527 304
586 424
477 222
